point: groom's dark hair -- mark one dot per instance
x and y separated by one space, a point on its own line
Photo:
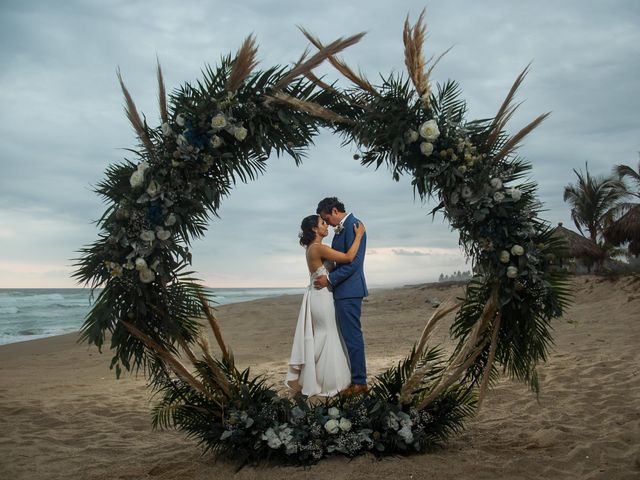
327 205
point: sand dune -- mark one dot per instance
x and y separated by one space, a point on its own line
64 415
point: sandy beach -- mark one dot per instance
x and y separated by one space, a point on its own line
64 415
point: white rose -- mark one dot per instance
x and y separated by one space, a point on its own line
141 263
512 272
406 434
240 133
163 234
180 120
515 194
137 179
411 136
153 189
147 275
216 141
143 166
426 148
333 412
219 121
496 183
345 424
498 196
181 140
148 236
332 426
429 130
166 129
517 250
272 438
170 220
504 256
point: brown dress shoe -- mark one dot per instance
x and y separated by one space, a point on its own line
357 388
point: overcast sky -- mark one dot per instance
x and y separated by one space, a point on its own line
62 121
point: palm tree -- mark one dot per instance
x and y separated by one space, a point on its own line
594 201
626 228
624 171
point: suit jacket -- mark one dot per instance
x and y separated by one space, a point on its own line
348 278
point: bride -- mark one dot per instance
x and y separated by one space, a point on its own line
319 363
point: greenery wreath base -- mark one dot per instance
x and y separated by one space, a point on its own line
222 130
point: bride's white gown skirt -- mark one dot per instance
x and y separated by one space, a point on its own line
319 362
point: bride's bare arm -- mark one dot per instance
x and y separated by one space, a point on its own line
336 256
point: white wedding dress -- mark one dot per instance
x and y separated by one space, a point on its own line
319 362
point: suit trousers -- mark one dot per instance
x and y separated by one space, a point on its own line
348 317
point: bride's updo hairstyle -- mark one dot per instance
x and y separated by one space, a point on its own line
307 235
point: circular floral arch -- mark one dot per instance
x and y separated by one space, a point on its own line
222 129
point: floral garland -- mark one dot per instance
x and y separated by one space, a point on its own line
223 130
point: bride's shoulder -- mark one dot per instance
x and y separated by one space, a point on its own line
315 249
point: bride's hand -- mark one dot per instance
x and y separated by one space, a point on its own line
359 229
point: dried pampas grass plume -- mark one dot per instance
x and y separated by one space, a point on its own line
162 96
243 64
134 117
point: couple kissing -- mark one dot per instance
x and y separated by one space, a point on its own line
327 356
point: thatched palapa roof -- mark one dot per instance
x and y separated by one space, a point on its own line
626 229
577 245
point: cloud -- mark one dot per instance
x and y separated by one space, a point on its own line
64 123
411 253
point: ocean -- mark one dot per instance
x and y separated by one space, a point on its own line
31 313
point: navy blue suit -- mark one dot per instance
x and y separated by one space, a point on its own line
349 288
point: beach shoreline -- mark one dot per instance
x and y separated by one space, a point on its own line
64 415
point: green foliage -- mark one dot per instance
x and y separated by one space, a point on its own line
161 200
594 201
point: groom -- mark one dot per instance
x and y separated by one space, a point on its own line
348 286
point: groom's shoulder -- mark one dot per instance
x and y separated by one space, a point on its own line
354 219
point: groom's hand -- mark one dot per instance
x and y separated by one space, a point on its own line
321 282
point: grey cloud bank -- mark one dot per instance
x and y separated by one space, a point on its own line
63 123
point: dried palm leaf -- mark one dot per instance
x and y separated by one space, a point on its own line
309 107
492 354
498 121
339 65
176 366
514 142
215 326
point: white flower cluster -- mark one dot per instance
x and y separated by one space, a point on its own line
429 131
505 257
401 423
137 178
336 422
281 435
